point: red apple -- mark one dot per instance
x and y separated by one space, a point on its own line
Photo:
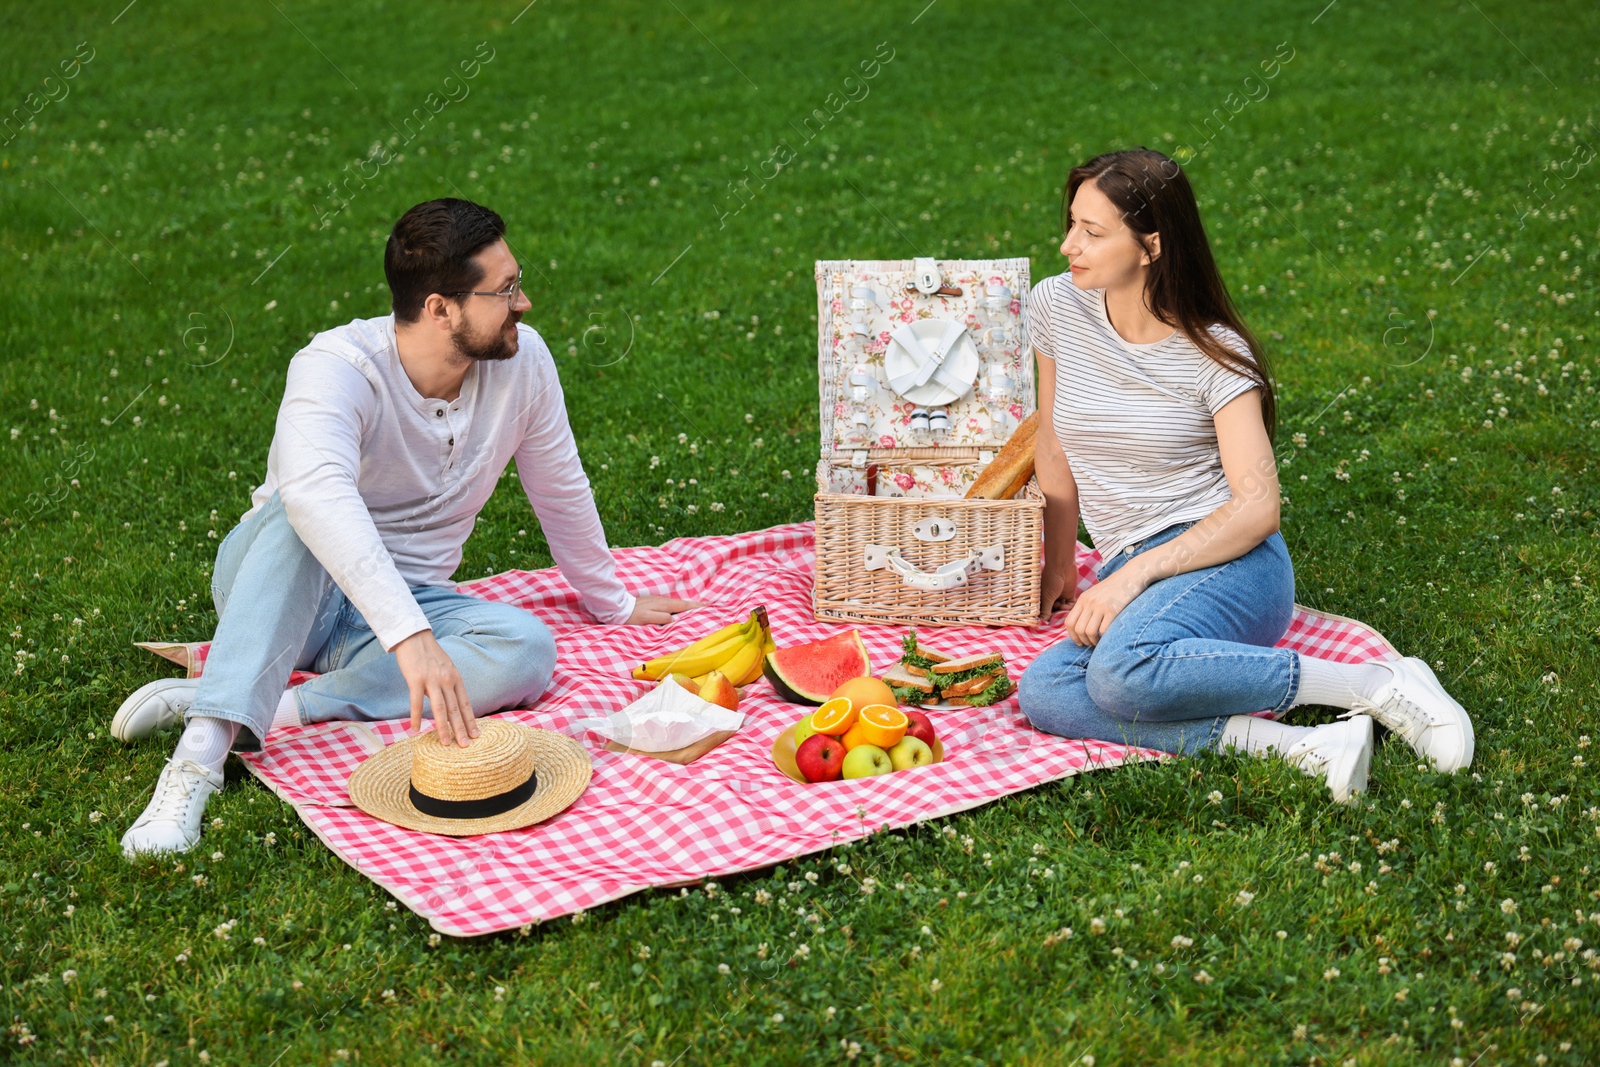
921 728
820 758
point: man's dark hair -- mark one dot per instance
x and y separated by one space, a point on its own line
430 250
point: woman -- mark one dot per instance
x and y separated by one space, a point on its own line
1160 436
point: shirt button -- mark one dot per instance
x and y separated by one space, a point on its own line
452 440
439 414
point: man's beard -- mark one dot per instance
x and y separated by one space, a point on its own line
499 347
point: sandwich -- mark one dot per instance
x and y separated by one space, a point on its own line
920 659
909 687
927 676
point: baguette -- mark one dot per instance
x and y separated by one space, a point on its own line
1011 469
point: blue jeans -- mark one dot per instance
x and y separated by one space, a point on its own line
279 610
1190 651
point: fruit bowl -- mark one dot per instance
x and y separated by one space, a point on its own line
783 756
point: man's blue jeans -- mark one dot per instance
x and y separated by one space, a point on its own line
1189 651
279 610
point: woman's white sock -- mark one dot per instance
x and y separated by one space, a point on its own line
1339 685
288 713
1258 736
206 741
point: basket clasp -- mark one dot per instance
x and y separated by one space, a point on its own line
952 575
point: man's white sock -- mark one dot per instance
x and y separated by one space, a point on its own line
1258 736
206 741
288 713
1338 685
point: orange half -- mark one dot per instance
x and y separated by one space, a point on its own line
834 717
881 725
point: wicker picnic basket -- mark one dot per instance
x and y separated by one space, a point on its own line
925 370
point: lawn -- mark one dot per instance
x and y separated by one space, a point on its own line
1402 200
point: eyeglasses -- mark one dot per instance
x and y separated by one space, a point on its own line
509 294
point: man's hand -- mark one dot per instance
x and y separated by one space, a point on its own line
1099 606
658 610
430 673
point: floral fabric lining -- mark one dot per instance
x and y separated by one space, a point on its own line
877 297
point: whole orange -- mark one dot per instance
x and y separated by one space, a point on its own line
863 691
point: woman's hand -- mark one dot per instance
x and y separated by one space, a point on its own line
1099 606
1057 589
1058 582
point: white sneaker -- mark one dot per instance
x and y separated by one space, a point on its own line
171 821
1338 752
157 706
1415 706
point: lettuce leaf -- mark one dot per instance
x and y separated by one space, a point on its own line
997 691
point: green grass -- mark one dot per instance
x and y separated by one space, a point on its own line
1406 201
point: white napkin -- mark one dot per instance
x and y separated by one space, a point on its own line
666 718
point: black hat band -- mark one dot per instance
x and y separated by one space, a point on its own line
485 808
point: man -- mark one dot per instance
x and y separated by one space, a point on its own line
392 434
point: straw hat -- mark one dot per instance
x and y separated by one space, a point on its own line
509 777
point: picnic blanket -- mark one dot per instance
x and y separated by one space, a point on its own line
645 823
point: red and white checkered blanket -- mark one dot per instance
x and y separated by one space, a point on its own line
645 823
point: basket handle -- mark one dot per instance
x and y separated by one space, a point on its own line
952 575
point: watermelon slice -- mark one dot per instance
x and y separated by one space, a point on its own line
808 674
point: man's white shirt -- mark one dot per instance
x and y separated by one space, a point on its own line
383 485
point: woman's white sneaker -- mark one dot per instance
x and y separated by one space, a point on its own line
171 821
154 707
1340 753
1415 706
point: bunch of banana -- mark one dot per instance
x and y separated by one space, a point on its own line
736 650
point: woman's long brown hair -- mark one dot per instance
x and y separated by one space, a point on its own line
1184 287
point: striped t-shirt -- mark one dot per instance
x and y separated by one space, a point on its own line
1137 421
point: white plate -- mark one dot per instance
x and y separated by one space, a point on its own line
957 372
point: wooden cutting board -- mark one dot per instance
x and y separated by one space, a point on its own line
686 755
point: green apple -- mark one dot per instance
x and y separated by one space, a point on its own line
864 761
910 752
802 730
